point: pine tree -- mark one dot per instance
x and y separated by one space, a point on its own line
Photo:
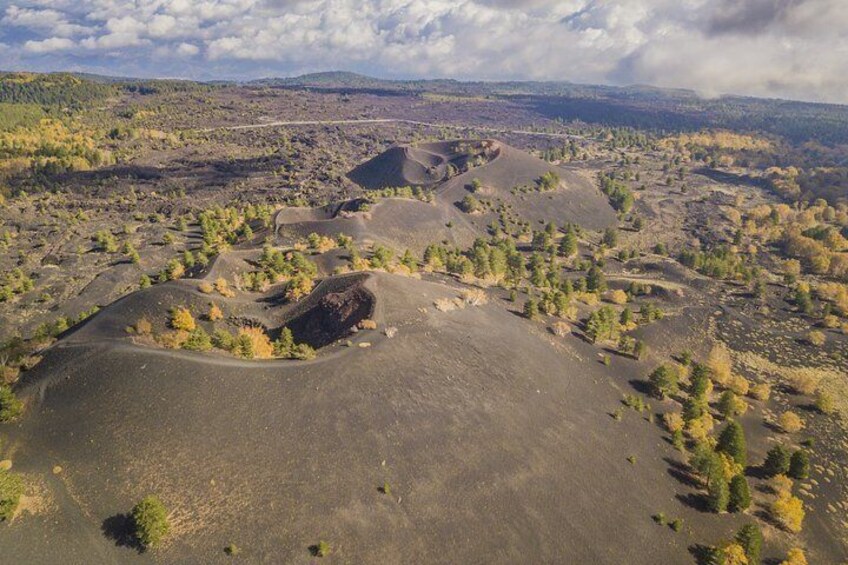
409 261
751 539
718 492
663 381
740 494
639 349
568 244
799 465
777 461
732 442
531 309
595 280
700 381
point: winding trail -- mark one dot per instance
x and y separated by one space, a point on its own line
379 121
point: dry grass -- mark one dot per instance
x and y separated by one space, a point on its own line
804 380
368 325
561 329
475 297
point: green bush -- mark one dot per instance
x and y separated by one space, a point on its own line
198 340
11 489
10 406
150 521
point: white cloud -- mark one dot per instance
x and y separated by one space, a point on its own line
49 45
795 48
187 50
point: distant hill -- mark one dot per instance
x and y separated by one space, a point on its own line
637 106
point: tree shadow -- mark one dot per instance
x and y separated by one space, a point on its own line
694 501
703 554
120 529
681 472
641 386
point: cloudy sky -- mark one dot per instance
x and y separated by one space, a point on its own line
777 48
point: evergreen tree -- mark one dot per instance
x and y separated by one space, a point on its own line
799 465
732 442
531 309
409 261
700 381
718 492
693 408
777 461
663 381
568 243
751 539
740 494
639 349
595 280
610 237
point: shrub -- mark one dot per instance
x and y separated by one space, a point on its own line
11 489
781 485
731 553
751 539
222 339
731 405
223 287
617 297
761 391
673 421
173 339
299 286
699 428
150 521
799 465
143 327
777 461
816 338
205 287
676 524
181 319
739 385
232 549
740 494
198 340
824 402
720 364
789 511
790 422
804 382
214 313
10 407
561 329
321 549
795 556
253 343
